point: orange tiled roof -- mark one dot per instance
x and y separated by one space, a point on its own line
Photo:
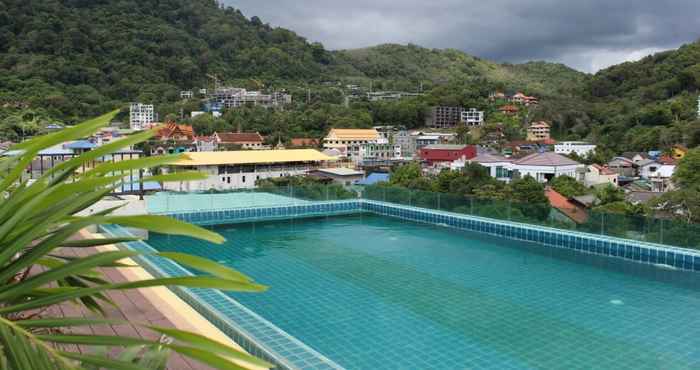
508 108
171 129
239 137
304 141
565 206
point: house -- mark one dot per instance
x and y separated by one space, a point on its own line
340 175
624 167
538 131
597 175
497 96
582 149
678 152
544 166
246 140
173 138
205 143
444 117
636 157
305 142
472 117
499 167
566 210
350 140
509 110
658 172
243 168
437 153
520 98
80 146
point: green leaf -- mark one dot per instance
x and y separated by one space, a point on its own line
210 345
165 225
206 265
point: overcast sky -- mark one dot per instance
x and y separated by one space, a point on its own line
587 35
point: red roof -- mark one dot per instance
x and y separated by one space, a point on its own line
238 137
603 170
172 129
304 141
508 108
565 206
666 159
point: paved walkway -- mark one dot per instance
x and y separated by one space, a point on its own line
130 305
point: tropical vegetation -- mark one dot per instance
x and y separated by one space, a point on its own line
38 221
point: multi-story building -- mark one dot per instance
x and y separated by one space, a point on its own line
382 151
234 97
186 94
141 116
444 117
390 95
243 168
473 117
407 142
582 149
597 175
538 131
349 141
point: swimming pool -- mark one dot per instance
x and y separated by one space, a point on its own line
376 292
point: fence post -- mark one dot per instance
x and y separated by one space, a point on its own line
140 184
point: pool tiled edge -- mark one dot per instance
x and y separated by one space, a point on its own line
256 335
633 250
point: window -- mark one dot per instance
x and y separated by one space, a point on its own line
243 180
228 179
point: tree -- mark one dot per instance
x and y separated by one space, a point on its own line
687 174
404 175
37 220
609 194
568 186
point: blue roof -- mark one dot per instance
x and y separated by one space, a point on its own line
374 178
80 144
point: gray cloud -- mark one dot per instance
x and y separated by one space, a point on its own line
587 35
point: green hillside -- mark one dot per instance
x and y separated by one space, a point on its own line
66 60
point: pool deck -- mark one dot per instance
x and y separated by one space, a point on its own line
154 306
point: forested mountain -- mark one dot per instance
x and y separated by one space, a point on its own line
415 64
64 60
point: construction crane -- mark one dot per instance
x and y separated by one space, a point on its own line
215 79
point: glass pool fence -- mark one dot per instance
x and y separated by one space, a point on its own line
648 229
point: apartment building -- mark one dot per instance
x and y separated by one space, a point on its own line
444 117
582 149
141 116
473 117
234 97
538 131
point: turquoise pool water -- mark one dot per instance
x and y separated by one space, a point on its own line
373 292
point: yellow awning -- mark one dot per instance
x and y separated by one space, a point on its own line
252 157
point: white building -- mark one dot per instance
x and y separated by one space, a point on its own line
499 167
372 151
582 149
186 94
659 173
234 97
243 168
473 117
541 166
141 116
